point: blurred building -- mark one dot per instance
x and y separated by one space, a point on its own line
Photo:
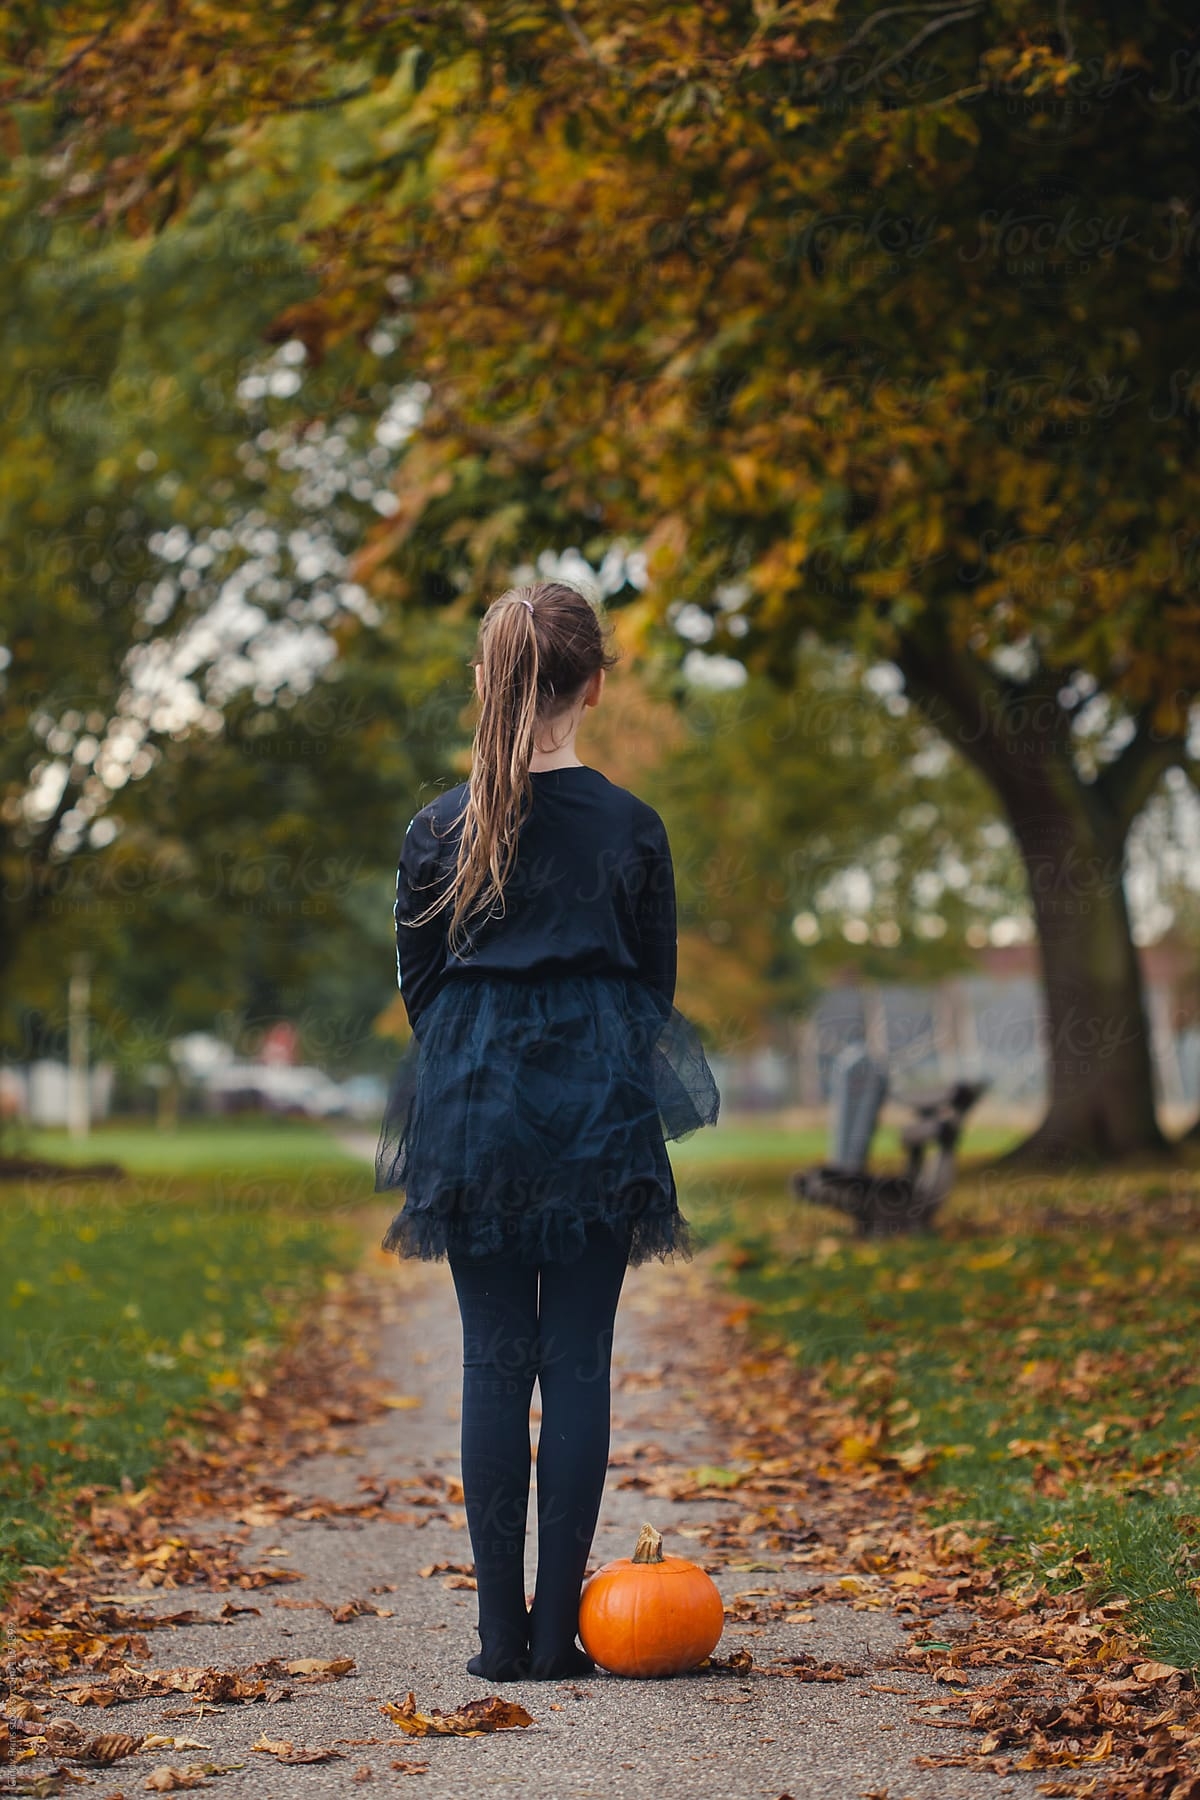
210 1077
37 1091
983 1023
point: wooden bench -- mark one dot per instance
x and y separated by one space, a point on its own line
882 1205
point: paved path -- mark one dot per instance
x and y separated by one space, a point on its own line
702 1734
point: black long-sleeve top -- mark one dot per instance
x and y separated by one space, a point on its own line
592 891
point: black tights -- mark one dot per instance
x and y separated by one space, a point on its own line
553 1323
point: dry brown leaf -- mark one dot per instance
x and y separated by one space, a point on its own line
1155 1671
470 1720
17 1707
740 1663
355 1609
314 1668
953 1762
166 1780
110 1747
285 1751
274 1746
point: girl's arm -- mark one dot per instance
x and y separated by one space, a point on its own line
420 949
655 912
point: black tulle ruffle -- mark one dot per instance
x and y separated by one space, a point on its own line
531 1109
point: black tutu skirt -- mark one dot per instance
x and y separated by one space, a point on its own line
532 1108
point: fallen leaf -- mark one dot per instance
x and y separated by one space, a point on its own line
710 1476
1155 1671
285 1751
274 1746
470 1720
166 1780
311 1667
740 1663
111 1747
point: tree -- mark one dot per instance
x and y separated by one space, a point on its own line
194 699
814 828
855 319
114 420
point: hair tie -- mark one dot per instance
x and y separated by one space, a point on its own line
524 602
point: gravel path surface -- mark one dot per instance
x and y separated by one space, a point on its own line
700 1734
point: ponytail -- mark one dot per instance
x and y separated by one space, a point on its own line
538 646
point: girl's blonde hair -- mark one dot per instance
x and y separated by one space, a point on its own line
538 647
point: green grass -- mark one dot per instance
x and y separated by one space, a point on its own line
197 1146
1041 1346
124 1304
744 1140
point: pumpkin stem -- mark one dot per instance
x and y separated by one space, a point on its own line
648 1548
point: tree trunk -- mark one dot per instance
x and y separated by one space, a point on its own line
1098 1064
1072 837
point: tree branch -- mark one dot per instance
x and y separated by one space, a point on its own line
323 105
72 62
1126 783
581 38
944 17
926 31
1064 32
899 12
965 700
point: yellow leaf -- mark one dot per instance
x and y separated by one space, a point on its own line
315 1665
915 1457
991 1259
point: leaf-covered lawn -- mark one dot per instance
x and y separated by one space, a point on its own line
1034 1364
122 1305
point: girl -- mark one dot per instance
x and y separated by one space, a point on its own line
536 946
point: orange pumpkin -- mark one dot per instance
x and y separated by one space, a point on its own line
650 1614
